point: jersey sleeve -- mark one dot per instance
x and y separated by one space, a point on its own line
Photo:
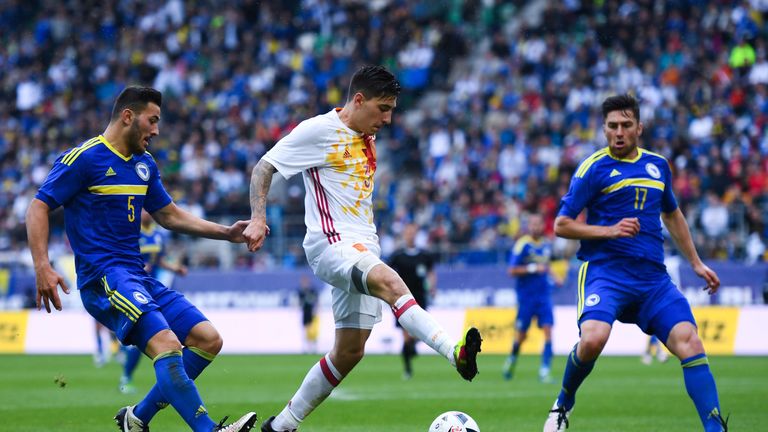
668 200
579 194
299 150
157 197
63 182
520 252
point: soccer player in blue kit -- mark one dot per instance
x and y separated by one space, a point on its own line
530 264
627 192
103 184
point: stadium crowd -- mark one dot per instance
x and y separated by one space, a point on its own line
500 103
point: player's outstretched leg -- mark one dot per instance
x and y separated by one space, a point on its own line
318 384
700 384
576 371
419 323
684 342
195 361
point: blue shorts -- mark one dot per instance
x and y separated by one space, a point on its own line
541 309
120 298
631 291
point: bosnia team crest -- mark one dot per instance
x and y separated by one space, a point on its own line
141 298
142 170
592 300
653 170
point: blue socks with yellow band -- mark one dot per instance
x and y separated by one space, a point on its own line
575 373
179 390
195 361
701 387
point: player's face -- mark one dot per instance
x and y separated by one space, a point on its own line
622 130
409 235
536 226
372 114
143 129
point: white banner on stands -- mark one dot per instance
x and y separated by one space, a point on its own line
725 330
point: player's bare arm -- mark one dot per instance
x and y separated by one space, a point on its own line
174 218
47 279
261 180
678 229
570 228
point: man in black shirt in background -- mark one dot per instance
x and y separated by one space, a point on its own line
416 266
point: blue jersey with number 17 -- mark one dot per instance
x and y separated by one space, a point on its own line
612 189
103 193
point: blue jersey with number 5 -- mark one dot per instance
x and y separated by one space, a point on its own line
612 189
102 193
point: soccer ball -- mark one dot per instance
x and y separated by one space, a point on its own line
454 421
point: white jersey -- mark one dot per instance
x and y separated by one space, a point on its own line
338 165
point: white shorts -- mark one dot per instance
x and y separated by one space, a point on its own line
345 266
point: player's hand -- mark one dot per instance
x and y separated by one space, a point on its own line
709 275
181 270
235 232
627 227
48 281
255 234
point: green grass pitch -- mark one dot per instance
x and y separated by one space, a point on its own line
620 395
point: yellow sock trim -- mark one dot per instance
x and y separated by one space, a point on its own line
166 354
204 354
697 362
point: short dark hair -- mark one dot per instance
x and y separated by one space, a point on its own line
136 99
372 82
622 102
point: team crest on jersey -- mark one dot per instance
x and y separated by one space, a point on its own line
141 298
653 170
592 300
142 170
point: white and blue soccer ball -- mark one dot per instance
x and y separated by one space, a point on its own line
454 421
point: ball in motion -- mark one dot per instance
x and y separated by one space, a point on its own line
454 421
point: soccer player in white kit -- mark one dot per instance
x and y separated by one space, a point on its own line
336 154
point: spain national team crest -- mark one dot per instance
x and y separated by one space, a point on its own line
142 170
653 170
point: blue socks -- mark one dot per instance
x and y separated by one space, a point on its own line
180 391
546 355
195 360
701 387
575 373
515 349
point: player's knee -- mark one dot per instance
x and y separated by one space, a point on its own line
385 283
163 341
690 344
213 344
346 359
205 337
591 345
684 341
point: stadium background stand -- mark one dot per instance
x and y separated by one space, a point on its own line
501 102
